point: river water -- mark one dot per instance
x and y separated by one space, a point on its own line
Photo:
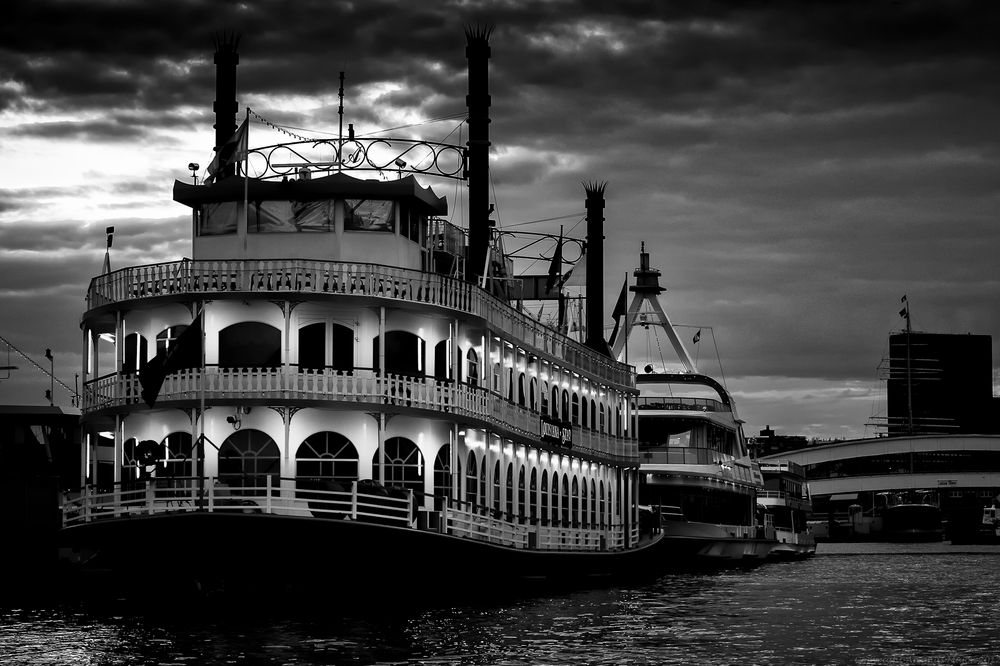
850 604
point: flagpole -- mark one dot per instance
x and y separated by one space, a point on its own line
246 184
200 451
627 327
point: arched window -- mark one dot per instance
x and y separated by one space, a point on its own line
584 505
312 347
565 501
601 508
496 487
600 413
472 362
341 348
520 390
404 354
583 411
545 497
555 402
135 353
576 408
482 487
130 468
510 383
564 408
496 377
442 472
532 391
441 361
545 398
471 480
249 344
326 458
555 498
247 459
509 487
404 464
593 414
522 500
166 338
179 456
532 499
593 503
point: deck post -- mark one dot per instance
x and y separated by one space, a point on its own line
149 496
409 507
211 494
267 485
354 500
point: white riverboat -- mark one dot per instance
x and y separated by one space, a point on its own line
330 391
786 499
696 475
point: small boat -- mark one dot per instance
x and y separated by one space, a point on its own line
786 498
696 479
911 516
339 388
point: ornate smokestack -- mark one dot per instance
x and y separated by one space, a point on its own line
595 267
477 52
225 105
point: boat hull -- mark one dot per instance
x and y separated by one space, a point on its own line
243 551
697 545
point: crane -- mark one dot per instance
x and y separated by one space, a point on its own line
48 354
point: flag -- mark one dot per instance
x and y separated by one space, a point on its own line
621 305
232 151
577 276
555 268
619 311
697 337
184 353
903 299
902 313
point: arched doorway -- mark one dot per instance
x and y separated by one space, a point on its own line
247 460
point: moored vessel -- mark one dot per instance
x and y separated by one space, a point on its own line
696 476
338 388
785 497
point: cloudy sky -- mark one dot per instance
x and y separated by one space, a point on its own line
793 167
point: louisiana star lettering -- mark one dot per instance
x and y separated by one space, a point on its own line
553 431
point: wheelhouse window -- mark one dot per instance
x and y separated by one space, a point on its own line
369 215
217 219
290 216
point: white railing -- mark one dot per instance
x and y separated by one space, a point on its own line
474 525
207 495
190 494
301 276
290 383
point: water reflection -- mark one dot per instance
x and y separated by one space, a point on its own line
869 607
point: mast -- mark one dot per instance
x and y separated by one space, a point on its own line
477 52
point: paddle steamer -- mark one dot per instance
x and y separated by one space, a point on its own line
340 385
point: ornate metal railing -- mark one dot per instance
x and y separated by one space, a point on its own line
364 389
359 154
304 277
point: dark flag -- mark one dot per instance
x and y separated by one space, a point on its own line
697 337
184 353
232 151
619 311
555 268
902 313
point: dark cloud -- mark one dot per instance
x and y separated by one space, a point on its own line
794 167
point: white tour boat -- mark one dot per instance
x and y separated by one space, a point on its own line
786 499
696 477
